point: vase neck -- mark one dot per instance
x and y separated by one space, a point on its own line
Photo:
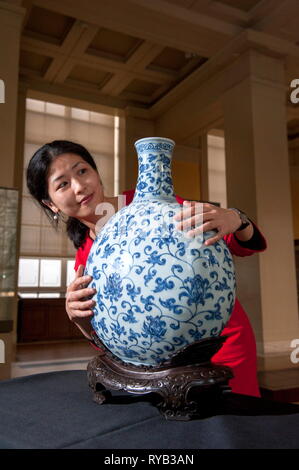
154 170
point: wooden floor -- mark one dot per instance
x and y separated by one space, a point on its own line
280 385
35 358
51 351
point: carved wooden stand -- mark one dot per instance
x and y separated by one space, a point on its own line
189 385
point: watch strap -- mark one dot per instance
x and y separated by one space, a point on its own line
245 222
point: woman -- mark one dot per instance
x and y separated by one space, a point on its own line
63 178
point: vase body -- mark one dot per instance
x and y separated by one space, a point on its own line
157 289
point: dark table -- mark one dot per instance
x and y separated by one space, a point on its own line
55 411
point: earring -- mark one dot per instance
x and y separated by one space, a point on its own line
55 217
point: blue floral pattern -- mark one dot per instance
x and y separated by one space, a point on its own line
157 290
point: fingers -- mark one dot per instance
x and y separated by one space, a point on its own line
192 222
200 217
77 308
207 219
200 230
188 211
76 314
80 294
206 227
197 208
80 281
212 240
197 211
205 206
78 305
82 307
80 271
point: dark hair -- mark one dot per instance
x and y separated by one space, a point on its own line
37 182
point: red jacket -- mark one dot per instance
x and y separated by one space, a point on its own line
239 349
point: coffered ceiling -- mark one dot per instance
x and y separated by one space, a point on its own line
138 52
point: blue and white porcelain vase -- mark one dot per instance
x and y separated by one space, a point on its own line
157 289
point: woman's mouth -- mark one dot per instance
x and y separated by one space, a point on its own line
86 200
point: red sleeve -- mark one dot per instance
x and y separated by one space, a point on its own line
238 250
83 252
129 195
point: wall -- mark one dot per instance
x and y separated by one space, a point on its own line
185 172
216 170
185 177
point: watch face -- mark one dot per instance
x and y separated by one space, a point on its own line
244 225
243 217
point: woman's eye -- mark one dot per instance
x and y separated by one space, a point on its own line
62 185
82 171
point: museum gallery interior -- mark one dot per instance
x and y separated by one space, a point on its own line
217 77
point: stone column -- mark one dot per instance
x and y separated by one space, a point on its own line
10 29
258 181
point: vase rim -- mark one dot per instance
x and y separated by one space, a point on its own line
144 139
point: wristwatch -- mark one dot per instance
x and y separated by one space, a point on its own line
244 219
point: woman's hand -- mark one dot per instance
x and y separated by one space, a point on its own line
79 309
202 217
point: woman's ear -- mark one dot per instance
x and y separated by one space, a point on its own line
49 204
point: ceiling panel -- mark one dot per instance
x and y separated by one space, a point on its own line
170 59
113 44
34 62
73 46
141 87
87 76
48 25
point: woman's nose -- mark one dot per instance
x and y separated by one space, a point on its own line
78 186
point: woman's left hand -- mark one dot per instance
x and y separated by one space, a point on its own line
202 217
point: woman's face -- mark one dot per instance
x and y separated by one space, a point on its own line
74 187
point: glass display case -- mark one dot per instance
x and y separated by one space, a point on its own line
8 258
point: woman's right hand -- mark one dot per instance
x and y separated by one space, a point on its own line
79 309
